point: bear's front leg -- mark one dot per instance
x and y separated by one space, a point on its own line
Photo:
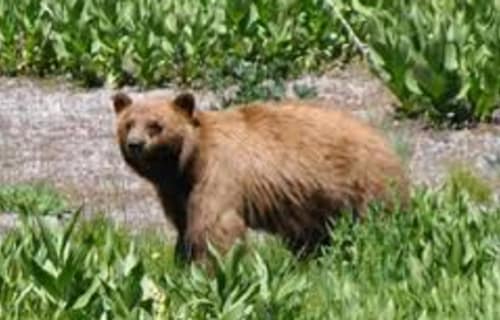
212 216
180 251
174 210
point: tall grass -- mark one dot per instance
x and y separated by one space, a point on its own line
439 260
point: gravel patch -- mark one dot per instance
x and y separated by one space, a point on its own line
63 135
435 153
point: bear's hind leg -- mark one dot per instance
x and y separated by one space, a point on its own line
308 245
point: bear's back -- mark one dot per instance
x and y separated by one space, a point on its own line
290 157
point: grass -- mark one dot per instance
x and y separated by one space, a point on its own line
439 260
31 199
462 177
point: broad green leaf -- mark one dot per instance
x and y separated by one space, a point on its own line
86 297
171 23
451 58
44 279
411 83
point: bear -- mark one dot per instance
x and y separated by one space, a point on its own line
287 168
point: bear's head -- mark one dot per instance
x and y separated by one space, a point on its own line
151 132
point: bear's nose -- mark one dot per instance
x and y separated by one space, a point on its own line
135 147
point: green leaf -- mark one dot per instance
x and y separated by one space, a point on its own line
70 268
84 299
253 15
451 59
411 82
44 279
69 230
171 23
48 241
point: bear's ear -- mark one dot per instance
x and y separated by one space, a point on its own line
186 102
121 101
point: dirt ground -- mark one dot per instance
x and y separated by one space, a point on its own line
53 132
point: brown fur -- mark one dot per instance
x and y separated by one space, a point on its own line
284 168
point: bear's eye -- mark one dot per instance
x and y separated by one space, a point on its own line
154 128
129 125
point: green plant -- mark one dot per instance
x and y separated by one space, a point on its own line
304 91
436 56
439 259
53 271
461 177
29 199
250 91
151 43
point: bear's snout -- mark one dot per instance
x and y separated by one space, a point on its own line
135 147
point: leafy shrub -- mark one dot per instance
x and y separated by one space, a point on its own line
439 57
438 260
31 199
152 42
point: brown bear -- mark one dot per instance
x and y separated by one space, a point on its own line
286 168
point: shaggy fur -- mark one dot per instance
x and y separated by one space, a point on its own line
283 168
